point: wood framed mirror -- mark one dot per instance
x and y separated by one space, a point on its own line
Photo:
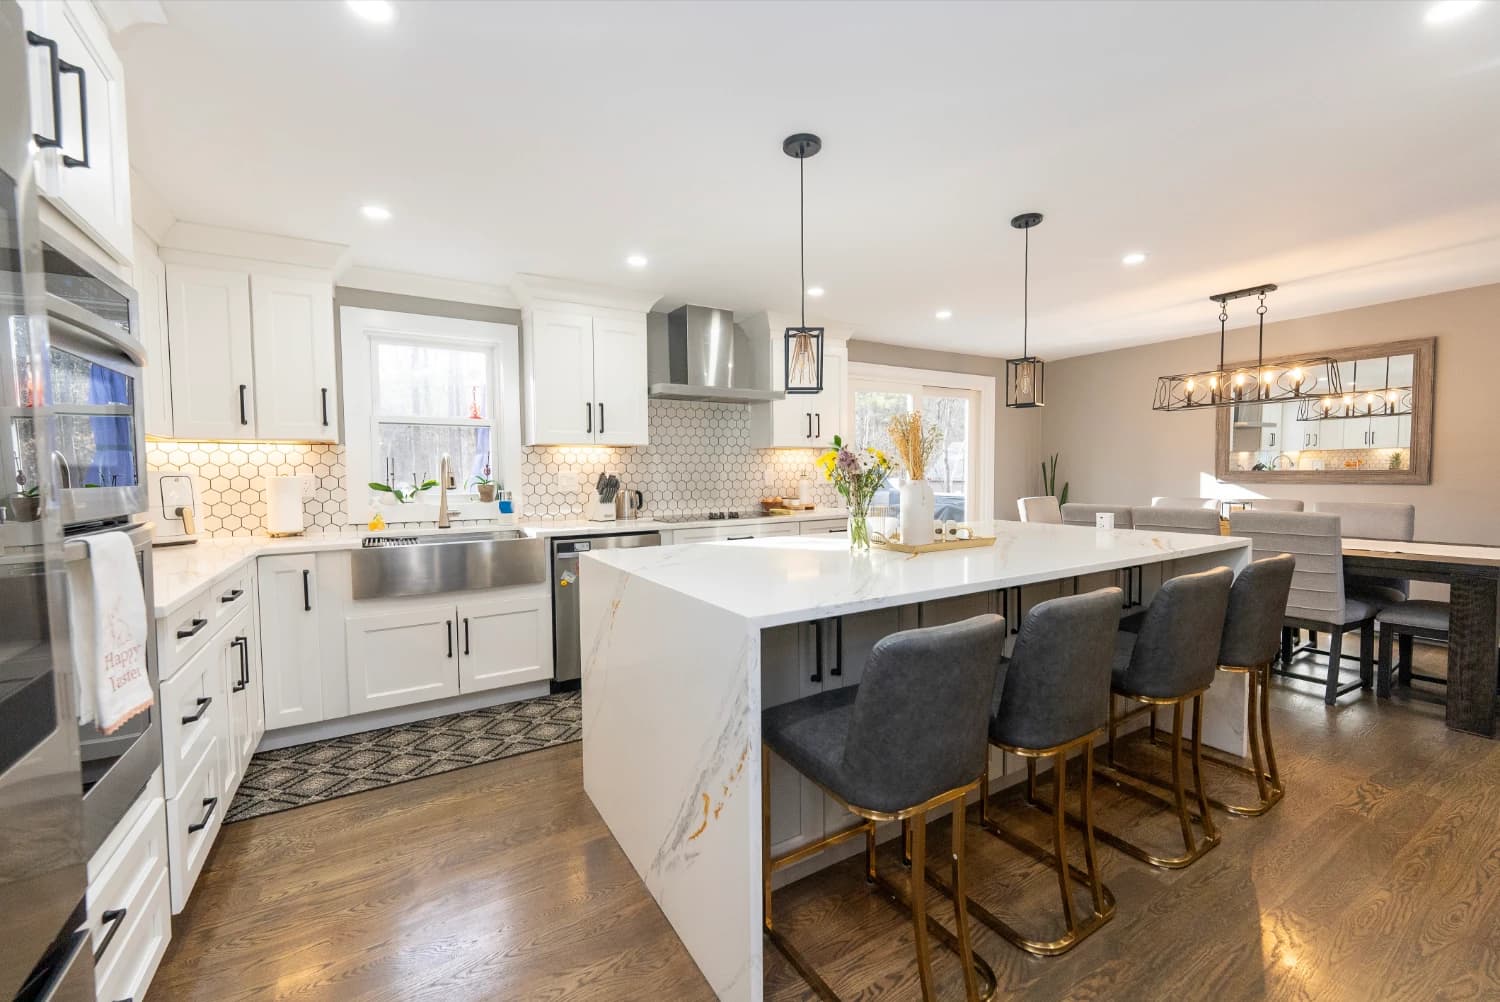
1376 430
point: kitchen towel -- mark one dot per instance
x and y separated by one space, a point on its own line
109 633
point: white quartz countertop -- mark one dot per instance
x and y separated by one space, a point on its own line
790 579
179 572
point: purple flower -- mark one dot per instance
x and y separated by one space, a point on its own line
848 463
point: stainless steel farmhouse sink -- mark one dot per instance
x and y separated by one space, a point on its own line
391 566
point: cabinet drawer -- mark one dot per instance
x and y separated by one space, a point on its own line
183 634
230 594
120 901
140 943
772 529
193 713
193 820
824 526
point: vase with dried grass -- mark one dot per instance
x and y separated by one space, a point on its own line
916 443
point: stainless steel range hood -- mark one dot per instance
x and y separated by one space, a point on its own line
697 353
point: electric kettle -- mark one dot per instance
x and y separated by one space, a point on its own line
628 504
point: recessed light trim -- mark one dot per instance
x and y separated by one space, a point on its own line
374 11
943 314
637 261
375 213
1447 11
815 291
1133 258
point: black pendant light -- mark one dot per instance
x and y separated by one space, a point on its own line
1024 376
803 346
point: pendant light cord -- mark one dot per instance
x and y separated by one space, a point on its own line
802 230
1262 390
1026 294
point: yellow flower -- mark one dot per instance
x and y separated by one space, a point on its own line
826 463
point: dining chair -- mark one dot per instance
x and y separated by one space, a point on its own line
1317 600
1161 518
1185 503
1039 509
1374 520
1077 513
1274 504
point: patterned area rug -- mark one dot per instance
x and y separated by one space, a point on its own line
284 778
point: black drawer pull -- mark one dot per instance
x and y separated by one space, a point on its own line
192 631
203 702
243 644
114 918
817 676
244 418
466 636
733 538
448 632
819 416
307 591
54 70
198 826
231 596
83 113
601 419
325 407
588 411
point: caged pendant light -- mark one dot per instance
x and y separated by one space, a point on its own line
1024 385
803 346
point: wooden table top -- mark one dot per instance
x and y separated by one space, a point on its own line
1454 558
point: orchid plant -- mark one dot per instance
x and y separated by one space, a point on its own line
857 475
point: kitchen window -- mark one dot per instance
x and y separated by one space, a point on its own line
419 387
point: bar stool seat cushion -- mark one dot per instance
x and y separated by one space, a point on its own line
1378 595
1124 649
1419 614
810 734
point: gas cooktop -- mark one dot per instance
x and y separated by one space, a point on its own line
707 516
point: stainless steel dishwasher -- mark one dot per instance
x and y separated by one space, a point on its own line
567 662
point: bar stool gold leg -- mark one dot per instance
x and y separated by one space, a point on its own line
960 909
1205 815
1090 852
919 901
1060 835
1262 766
1178 794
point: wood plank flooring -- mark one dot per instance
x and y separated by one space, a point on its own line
1378 877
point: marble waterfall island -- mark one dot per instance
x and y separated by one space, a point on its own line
683 646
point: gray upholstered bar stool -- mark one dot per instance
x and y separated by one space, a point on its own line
1171 662
907 741
1251 644
1053 700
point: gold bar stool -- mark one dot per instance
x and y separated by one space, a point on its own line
1171 662
907 741
1051 700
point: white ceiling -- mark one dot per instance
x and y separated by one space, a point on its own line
1347 151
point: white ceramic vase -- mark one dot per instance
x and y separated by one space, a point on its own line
918 506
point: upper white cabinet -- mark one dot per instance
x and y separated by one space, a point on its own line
78 115
252 351
583 352
150 279
800 420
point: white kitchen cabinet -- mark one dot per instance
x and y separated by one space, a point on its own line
149 276
212 363
83 108
242 682
823 527
401 655
585 374
734 533
800 420
290 649
296 386
787 674
504 640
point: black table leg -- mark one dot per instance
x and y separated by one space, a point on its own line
1474 604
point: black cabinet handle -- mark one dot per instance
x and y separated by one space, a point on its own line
466 636
307 591
588 413
809 424
838 648
198 624
83 112
54 70
819 416
817 675
243 643
203 702
325 407
732 539
244 416
210 803
231 596
448 633
601 419
114 918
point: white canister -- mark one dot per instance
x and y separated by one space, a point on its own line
1104 520
284 513
805 491
918 504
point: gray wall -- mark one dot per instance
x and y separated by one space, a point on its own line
1116 449
1017 473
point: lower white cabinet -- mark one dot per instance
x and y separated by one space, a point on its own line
506 640
730 533
194 816
245 698
129 906
401 656
824 527
291 645
787 674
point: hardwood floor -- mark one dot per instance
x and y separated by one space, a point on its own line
1378 877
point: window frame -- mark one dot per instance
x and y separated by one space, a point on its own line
361 332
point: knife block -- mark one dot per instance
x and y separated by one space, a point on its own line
600 510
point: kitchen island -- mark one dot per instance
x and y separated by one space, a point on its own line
684 645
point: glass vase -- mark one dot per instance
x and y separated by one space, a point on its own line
859 526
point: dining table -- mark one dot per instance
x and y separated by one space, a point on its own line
1472 574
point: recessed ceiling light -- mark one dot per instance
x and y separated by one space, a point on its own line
636 260
1134 257
943 314
815 291
374 11
1450 10
376 213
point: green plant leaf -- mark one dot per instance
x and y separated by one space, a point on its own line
382 487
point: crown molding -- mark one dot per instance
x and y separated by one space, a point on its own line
532 289
403 283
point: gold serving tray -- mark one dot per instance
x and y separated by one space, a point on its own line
935 546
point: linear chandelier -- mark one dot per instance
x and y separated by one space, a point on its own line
1388 401
1229 386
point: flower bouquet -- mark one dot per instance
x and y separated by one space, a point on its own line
856 476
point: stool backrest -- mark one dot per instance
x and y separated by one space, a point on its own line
1177 649
1041 509
1076 513
1312 538
923 709
1274 504
1184 503
1160 518
1257 608
1372 519
1056 687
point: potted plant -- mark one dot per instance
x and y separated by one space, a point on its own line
25 505
916 443
1049 481
401 493
857 476
484 486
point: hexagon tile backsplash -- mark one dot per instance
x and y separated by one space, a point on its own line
699 459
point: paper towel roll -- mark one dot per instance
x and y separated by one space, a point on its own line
284 506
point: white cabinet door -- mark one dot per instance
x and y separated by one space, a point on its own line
398 657
208 330
504 641
291 661
96 197
295 388
149 276
802 420
1385 432
247 714
828 406
787 674
620 382
559 351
